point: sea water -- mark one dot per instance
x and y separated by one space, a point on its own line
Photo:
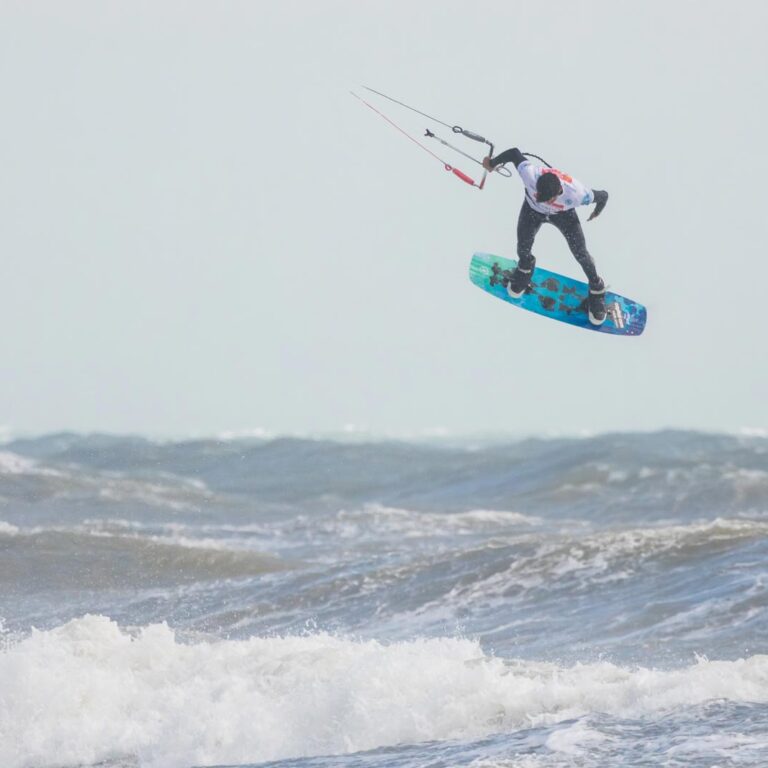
599 601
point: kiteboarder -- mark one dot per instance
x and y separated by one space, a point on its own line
552 196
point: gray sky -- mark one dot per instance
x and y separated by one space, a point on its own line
201 230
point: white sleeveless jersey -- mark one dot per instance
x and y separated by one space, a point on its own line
574 192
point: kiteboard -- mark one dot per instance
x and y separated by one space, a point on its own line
556 296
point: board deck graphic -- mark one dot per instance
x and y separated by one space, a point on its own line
556 296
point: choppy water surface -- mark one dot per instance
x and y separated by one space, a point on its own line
585 602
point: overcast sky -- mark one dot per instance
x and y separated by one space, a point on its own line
201 230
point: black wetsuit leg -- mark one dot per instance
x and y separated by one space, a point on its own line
528 224
568 223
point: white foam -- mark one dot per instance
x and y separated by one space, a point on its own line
257 433
518 761
605 556
414 524
13 464
752 432
6 529
574 740
735 749
181 495
95 692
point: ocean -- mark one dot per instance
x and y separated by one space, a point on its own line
529 603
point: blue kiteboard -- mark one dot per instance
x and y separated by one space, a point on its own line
556 296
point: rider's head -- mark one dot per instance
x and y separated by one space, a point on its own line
548 187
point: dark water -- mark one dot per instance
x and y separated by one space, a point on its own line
562 602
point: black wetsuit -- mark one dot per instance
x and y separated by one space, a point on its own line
530 220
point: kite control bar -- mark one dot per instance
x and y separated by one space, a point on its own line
455 128
501 169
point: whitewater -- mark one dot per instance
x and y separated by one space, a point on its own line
315 602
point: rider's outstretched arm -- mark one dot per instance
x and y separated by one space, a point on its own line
513 155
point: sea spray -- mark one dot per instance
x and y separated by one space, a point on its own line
89 690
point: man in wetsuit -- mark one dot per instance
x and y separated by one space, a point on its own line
552 196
